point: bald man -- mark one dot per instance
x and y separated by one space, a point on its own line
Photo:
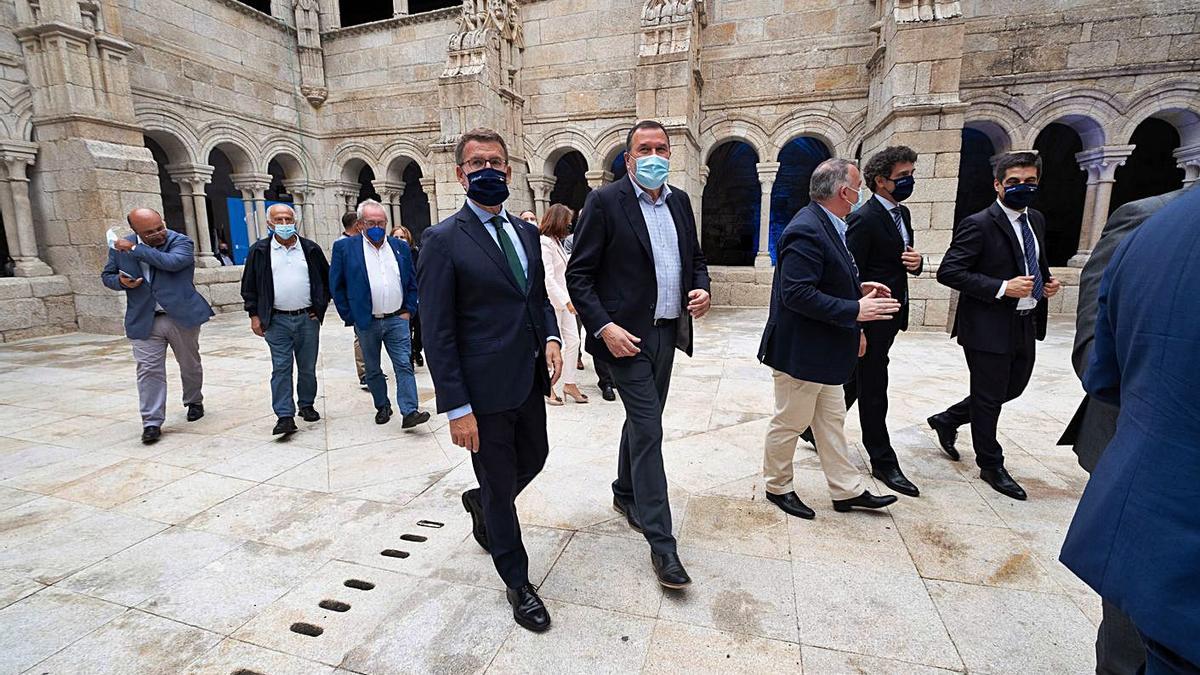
153 267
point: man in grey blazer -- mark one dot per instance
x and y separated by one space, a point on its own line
1119 649
154 268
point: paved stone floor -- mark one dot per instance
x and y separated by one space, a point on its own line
200 553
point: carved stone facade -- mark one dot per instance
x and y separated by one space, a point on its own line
209 109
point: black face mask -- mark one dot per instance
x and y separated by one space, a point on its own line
904 188
487 186
1017 197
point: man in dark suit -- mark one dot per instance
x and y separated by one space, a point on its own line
812 341
374 288
490 336
637 277
285 287
1135 537
880 237
154 267
997 262
1119 649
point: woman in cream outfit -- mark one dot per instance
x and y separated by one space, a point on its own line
554 229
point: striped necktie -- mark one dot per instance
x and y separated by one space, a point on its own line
1031 257
899 218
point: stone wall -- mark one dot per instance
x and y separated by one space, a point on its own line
35 307
221 287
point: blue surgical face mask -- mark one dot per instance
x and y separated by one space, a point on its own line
285 231
904 188
863 195
651 171
1018 197
376 234
487 186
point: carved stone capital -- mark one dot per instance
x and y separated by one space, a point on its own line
1101 163
912 11
252 182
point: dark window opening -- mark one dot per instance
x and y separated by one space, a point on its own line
730 206
355 12
570 181
263 6
277 192
172 202
1063 188
418 6
1151 169
414 203
797 161
220 190
366 189
975 180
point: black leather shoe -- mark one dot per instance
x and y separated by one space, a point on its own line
528 609
285 426
418 359
895 479
195 411
791 505
864 501
1003 483
807 437
414 418
947 434
627 510
151 435
472 505
309 414
669 570
383 414
607 393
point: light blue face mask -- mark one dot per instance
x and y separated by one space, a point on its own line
864 195
285 231
651 171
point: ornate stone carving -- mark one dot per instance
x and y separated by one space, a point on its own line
312 54
485 26
668 26
911 11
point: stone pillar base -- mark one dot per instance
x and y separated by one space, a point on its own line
32 268
1079 259
207 260
762 260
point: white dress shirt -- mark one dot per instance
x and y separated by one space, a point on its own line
1026 302
289 271
383 273
147 274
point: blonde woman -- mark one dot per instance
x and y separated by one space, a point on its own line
555 228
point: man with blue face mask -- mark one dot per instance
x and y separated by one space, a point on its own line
285 285
997 263
638 278
374 289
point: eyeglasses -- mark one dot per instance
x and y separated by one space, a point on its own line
477 164
374 223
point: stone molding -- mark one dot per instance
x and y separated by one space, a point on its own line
396 21
261 17
913 11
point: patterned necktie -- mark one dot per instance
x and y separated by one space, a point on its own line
1031 257
510 253
900 225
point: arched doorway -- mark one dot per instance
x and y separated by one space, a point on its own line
366 187
730 206
220 191
976 190
570 181
797 160
1151 169
1063 190
172 200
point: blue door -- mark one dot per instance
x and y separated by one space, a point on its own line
239 229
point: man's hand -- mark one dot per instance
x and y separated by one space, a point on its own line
129 282
873 308
123 245
881 291
1052 287
1019 287
554 361
571 308
862 344
314 317
464 432
405 315
620 342
256 326
699 302
911 259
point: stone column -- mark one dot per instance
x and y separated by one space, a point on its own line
399 8
16 156
1189 161
391 192
1101 165
597 178
542 186
191 179
766 181
429 187
253 187
302 193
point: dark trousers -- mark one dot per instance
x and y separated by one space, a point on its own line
996 379
603 374
512 450
1162 660
869 387
1119 647
643 381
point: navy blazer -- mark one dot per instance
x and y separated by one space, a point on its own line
1135 537
351 288
484 339
611 273
812 330
173 267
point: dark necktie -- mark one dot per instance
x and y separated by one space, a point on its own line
510 253
900 224
1031 257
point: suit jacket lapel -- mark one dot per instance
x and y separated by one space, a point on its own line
633 211
533 247
477 232
1006 227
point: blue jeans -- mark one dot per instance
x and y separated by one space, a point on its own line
293 337
392 333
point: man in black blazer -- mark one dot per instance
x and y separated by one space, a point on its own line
812 341
880 237
997 263
637 277
490 336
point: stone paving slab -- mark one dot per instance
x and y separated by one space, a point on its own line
199 553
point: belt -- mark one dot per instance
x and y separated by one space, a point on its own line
662 322
389 315
1025 312
294 312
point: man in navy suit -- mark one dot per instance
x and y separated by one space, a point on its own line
997 263
812 341
490 337
1135 537
154 268
374 288
638 278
